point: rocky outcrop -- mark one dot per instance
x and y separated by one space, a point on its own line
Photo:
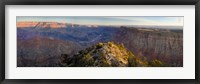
108 54
100 55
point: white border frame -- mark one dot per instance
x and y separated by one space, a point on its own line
186 72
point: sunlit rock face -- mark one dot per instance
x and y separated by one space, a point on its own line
41 25
166 45
26 24
107 54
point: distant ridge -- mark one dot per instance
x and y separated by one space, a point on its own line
27 24
41 25
31 24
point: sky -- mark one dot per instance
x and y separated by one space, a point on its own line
108 20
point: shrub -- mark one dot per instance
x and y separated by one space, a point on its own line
99 45
156 63
132 61
105 64
64 59
86 60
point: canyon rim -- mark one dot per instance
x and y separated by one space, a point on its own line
99 41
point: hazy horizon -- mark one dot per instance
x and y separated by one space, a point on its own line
108 20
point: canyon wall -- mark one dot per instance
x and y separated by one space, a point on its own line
165 45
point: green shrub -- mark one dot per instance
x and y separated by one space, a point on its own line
105 64
132 61
156 63
99 45
86 60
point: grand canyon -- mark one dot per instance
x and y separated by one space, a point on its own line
57 44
